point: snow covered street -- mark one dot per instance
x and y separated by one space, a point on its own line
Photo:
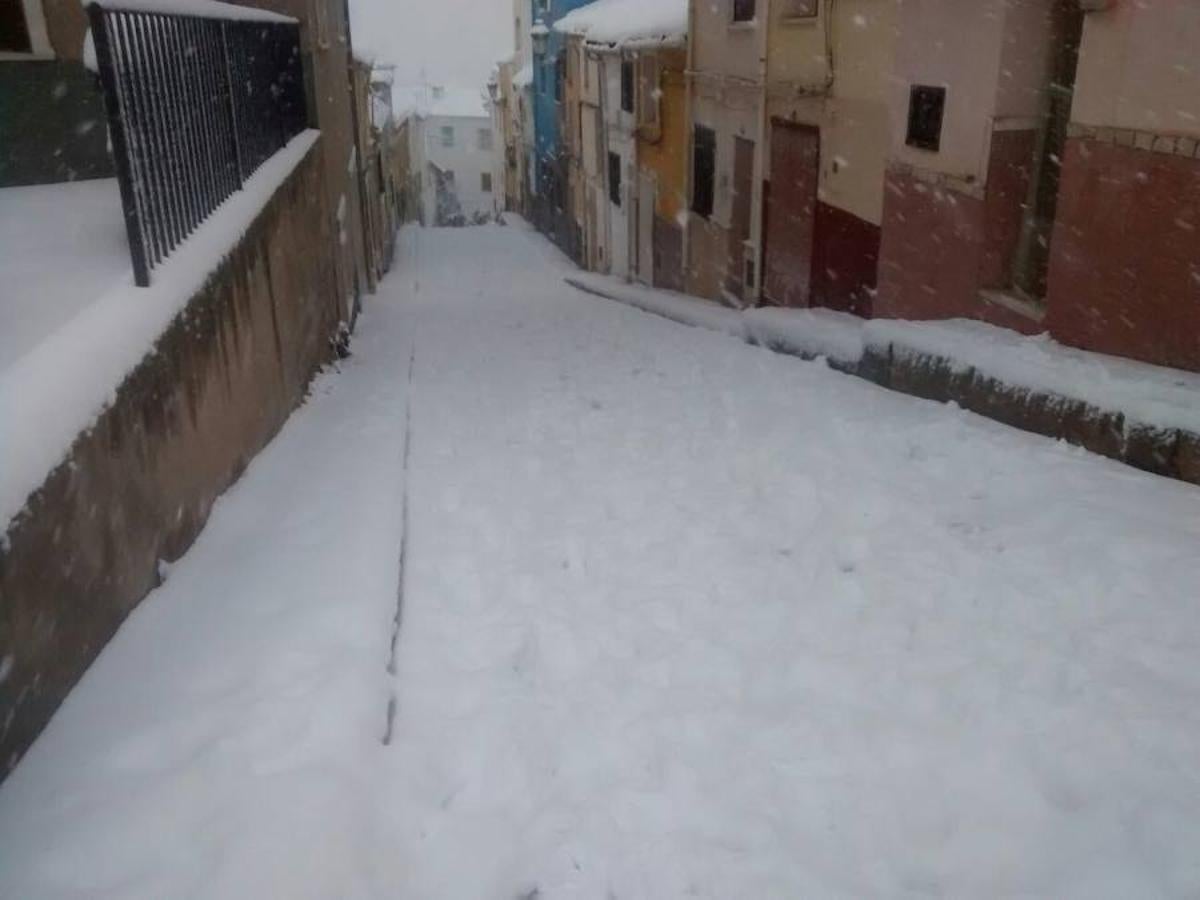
677 617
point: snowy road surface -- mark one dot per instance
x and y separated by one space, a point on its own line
680 618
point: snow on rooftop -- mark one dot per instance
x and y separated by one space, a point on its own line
628 22
442 102
208 9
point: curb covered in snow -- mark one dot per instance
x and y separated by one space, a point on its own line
1143 415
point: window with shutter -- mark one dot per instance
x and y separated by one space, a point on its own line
14 32
744 10
926 108
704 164
649 92
627 85
614 179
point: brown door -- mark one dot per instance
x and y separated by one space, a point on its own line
791 214
742 207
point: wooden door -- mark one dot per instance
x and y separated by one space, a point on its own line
791 214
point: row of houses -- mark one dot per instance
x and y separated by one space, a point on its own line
1033 164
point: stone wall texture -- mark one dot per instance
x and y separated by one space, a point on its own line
137 488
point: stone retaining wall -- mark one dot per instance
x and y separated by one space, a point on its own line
137 488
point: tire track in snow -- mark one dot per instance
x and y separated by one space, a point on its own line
398 619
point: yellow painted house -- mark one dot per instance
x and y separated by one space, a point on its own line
662 157
634 91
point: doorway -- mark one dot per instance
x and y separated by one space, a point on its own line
1032 259
741 212
791 212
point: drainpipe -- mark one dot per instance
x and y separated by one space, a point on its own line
690 132
758 213
605 203
360 172
633 205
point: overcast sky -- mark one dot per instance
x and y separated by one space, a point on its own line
453 42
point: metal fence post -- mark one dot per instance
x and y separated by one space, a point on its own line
116 130
231 102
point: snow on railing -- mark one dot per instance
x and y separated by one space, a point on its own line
199 94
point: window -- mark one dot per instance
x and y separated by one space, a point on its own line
743 10
14 33
485 140
560 76
614 179
704 164
649 104
485 182
800 9
517 34
926 108
23 27
627 85
447 135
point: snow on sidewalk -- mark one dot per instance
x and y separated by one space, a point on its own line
1146 395
222 744
681 617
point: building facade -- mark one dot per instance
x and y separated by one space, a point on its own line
549 175
1124 259
917 159
453 151
727 52
51 110
827 131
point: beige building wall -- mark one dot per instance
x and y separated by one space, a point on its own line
1026 51
723 47
1139 68
325 36
958 45
66 25
573 128
853 113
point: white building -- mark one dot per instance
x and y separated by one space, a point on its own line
452 150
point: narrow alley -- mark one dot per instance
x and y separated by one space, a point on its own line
672 616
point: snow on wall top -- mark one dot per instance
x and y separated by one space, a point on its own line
207 9
60 387
628 22
425 101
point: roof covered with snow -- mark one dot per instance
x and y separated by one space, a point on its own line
428 100
628 23
524 76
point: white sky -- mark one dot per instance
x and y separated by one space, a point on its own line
453 42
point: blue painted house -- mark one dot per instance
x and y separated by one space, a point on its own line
549 68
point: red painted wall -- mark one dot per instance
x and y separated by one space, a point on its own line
931 256
1125 258
845 261
1010 172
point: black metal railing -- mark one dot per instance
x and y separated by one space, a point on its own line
195 105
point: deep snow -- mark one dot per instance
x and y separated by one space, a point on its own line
681 617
